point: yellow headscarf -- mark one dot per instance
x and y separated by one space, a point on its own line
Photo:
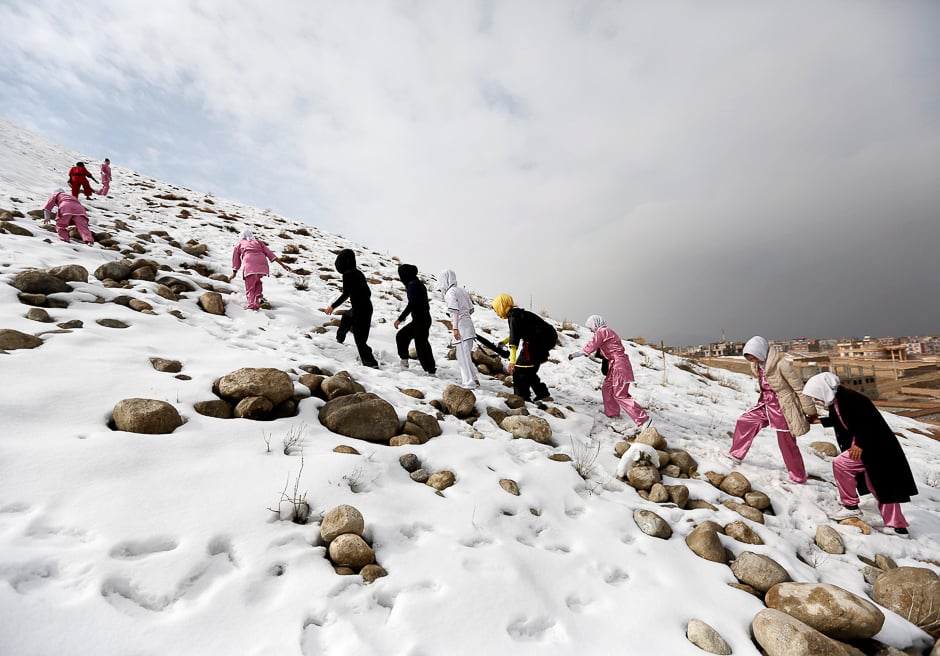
503 304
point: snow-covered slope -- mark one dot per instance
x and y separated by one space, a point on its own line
120 543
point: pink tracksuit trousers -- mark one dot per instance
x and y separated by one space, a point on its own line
845 471
767 412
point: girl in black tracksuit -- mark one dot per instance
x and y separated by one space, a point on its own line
420 311
359 317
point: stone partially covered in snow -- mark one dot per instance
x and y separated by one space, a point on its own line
363 415
782 635
913 593
273 384
459 402
147 416
635 454
342 519
704 542
350 550
706 638
758 571
829 540
652 524
528 427
827 608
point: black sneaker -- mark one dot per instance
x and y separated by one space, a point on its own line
340 336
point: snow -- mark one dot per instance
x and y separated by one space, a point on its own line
120 543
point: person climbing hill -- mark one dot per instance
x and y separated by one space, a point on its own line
69 212
537 337
420 326
358 318
105 177
78 180
460 307
251 255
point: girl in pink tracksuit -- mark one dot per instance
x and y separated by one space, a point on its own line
70 211
616 388
105 177
781 405
252 255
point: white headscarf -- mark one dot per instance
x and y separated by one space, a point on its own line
822 387
594 322
247 235
758 347
446 279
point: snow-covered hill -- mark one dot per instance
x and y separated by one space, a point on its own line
121 543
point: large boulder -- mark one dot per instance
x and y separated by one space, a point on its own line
273 384
148 416
644 477
651 437
14 339
253 407
912 593
782 635
735 484
215 408
827 608
528 427
342 519
758 571
459 402
39 282
363 415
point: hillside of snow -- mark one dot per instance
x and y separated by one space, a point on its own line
122 543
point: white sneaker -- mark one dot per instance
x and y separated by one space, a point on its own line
731 459
846 513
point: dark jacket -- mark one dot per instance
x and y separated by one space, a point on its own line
418 306
884 460
355 287
532 329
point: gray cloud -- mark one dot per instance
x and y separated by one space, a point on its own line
682 168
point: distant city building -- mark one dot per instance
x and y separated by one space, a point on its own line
804 346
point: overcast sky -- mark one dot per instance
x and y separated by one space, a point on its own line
686 169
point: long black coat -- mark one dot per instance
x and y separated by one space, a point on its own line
884 460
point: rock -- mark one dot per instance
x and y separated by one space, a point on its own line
745 511
215 408
528 427
342 519
700 504
706 638
112 323
197 250
857 523
760 572
14 229
510 486
913 593
757 500
652 437
11 340
704 542
350 550
493 364
273 384
871 574
496 415
39 282
410 462
38 314
621 448
140 305
441 480
714 478
936 649
144 273
782 635
459 402
413 393
678 494
422 425
69 325
371 572
117 271
420 476
340 384
148 416
253 407
70 273
513 401
32 299
672 471
560 457
658 493
742 533
643 477
885 562
652 524
829 540
212 303
363 415
165 292
684 461
344 448
314 383
735 484
825 449
827 608
166 366
404 440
